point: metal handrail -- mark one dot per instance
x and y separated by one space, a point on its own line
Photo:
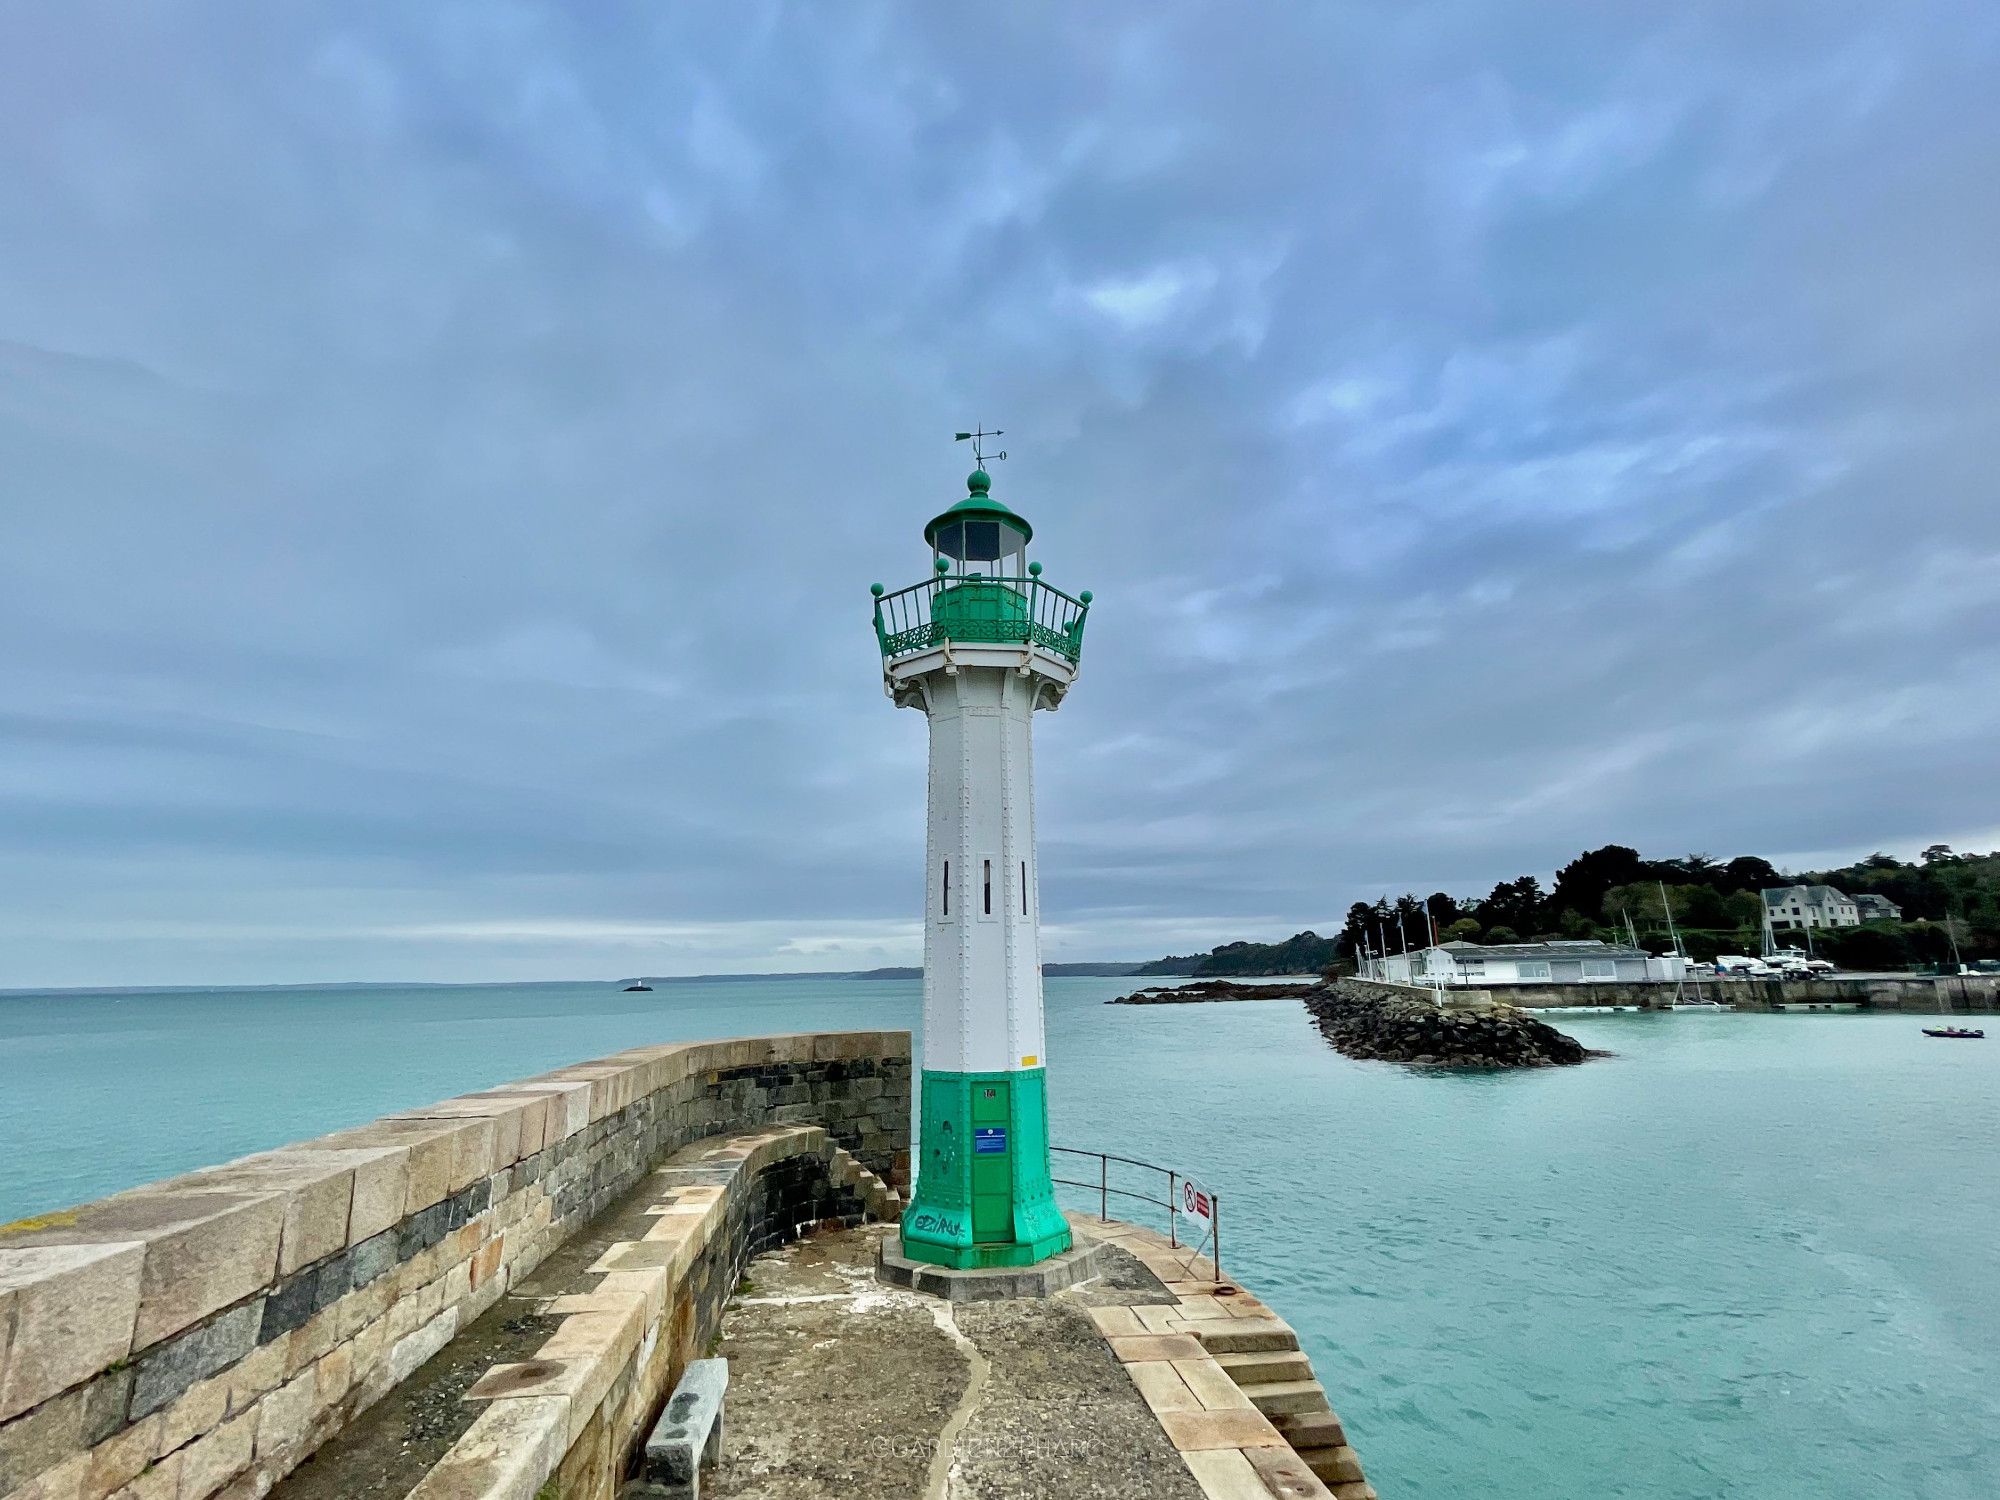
905 621
1106 1192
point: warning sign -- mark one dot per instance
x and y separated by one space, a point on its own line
1197 1206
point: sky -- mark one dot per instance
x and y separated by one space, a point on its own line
444 451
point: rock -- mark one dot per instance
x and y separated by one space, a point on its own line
1202 990
1372 1022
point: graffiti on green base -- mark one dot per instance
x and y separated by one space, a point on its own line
943 1224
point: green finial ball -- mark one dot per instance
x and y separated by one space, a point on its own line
944 565
875 589
979 481
1034 570
1084 596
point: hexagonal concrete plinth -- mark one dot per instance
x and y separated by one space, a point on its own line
1083 1261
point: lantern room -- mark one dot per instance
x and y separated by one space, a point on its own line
979 537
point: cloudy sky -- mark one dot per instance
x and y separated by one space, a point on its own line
444 450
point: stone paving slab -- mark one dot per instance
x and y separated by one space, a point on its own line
1211 1384
1162 1387
1190 1430
1156 1346
1228 1474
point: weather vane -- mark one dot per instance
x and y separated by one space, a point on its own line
978 437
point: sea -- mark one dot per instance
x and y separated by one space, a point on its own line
1748 1256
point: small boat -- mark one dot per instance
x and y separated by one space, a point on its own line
1956 1033
638 987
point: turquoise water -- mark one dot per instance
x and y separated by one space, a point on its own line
1750 1256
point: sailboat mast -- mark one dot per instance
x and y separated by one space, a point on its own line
1673 936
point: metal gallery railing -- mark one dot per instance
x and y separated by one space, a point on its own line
1105 1191
980 610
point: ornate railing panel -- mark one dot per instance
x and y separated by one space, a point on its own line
988 611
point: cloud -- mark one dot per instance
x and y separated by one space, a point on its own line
443 452
1152 296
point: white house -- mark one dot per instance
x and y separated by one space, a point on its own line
1566 962
1875 908
1804 906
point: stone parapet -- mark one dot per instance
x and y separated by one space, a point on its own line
568 1420
206 1333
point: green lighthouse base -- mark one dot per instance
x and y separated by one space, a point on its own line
983 1195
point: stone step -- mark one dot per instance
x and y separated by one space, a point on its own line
1337 1467
1305 1430
1288 1396
877 1197
1245 1335
1266 1366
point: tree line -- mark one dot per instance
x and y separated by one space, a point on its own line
1304 953
1716 907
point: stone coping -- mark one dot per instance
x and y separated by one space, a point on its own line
236 1285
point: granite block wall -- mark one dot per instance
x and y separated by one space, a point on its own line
202 1335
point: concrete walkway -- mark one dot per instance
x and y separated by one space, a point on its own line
842 1387
1154 1382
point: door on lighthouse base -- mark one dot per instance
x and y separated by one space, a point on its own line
992 1164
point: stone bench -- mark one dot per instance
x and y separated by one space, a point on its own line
688 1434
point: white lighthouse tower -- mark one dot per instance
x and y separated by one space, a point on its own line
979 646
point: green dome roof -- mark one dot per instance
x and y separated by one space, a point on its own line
978 505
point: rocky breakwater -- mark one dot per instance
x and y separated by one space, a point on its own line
1202 991
1367 1021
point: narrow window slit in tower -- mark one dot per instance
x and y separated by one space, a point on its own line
947 888
1024 887
989 887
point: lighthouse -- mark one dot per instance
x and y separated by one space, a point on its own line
979 646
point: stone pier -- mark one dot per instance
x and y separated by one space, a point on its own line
491 1298
207 1335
